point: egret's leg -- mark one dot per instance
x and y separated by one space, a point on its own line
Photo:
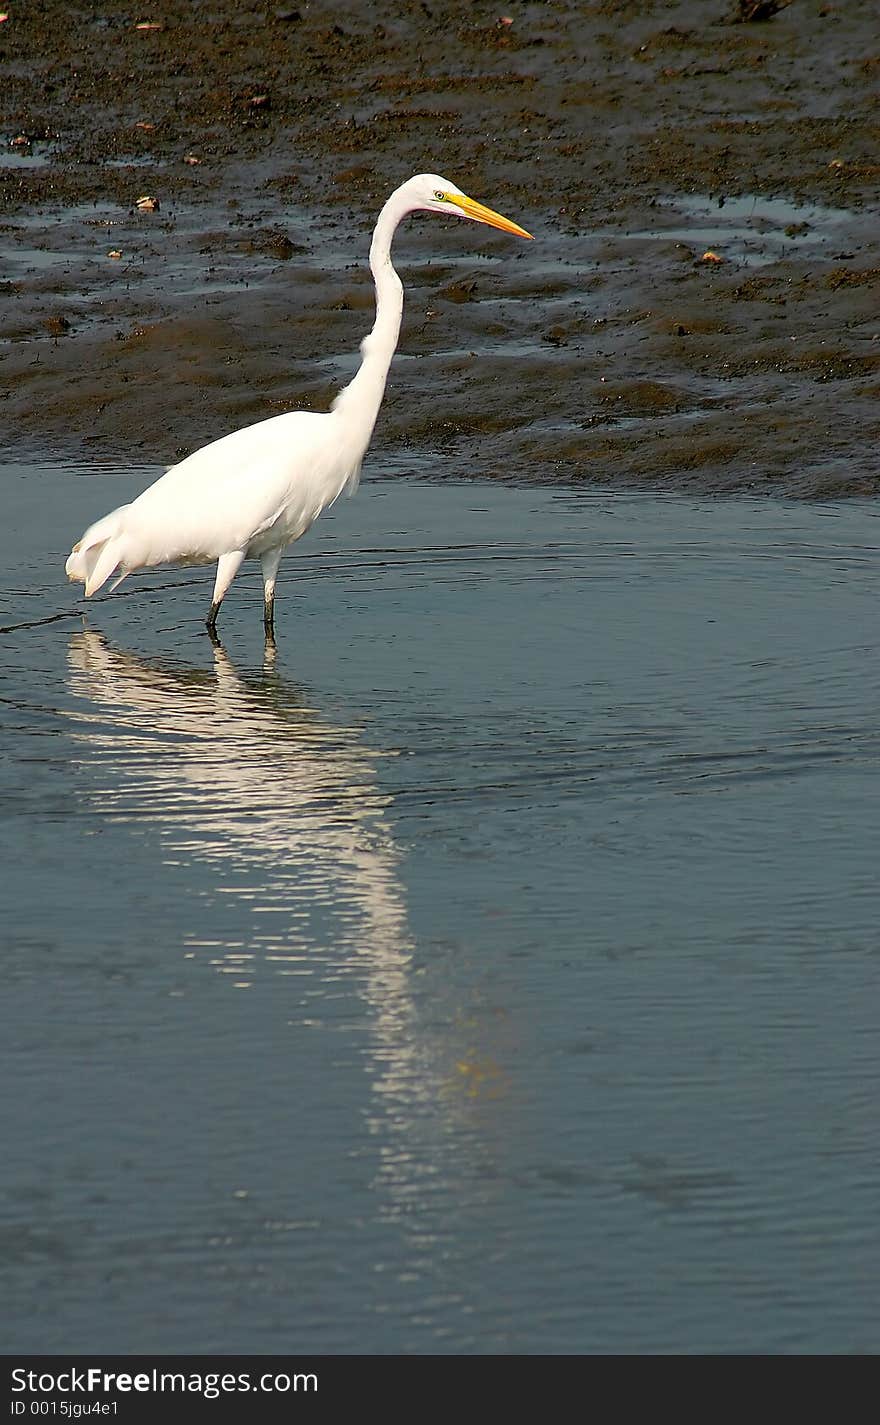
270 561
228 566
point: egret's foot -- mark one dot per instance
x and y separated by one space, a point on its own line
211 623
269 622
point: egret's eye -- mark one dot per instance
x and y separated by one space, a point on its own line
441 197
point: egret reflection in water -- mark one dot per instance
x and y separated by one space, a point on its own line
240 773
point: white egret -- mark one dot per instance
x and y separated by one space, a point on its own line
250 494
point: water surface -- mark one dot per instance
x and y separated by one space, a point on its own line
493 969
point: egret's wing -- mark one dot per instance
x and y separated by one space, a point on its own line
228 493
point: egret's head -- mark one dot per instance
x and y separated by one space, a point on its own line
438 195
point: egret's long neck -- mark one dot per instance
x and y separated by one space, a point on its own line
361 399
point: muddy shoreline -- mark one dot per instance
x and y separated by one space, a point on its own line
630 138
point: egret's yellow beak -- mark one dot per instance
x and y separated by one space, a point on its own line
481 214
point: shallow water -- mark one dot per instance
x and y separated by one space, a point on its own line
751 229
493 970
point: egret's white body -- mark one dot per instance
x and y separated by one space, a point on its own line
253 492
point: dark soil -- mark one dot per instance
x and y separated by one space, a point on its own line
630 137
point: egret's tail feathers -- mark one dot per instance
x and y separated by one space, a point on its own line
97 555
81 562
106 564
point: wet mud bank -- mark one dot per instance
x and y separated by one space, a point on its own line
699 311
